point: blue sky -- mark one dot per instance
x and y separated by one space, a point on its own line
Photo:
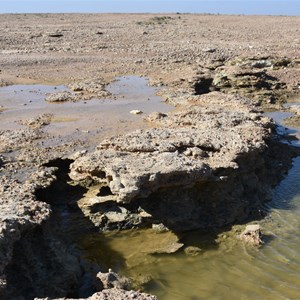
260 7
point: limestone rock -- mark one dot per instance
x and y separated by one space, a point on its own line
15 139
113 280
183 150
192 251
252 235
190 170
136 112
60 97
111 294
19 212
155 116
37 122
91 88
250 77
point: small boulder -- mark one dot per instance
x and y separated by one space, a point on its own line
112 280
60 97
192 251
252 235
155 116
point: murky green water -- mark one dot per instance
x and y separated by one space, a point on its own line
224 269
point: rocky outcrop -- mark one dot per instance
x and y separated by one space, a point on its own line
200 166
19 213
90 88
252 77
112 294
81 90
16 139
38 121
61 97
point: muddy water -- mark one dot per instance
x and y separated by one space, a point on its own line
88 120
223 268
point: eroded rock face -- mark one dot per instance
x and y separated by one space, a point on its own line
112 294
249 76
16 217
15 139
195 163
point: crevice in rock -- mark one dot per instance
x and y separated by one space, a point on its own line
99 173
107 206
204 86
47 261
104 191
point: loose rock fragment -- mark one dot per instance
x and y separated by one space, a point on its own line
60 97
136 112
252 235
113 280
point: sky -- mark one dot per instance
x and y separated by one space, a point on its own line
257 7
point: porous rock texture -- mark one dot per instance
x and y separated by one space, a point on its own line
200 166
219 180
19 213
113 294
252 235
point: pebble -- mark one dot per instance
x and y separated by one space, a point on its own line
136 112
